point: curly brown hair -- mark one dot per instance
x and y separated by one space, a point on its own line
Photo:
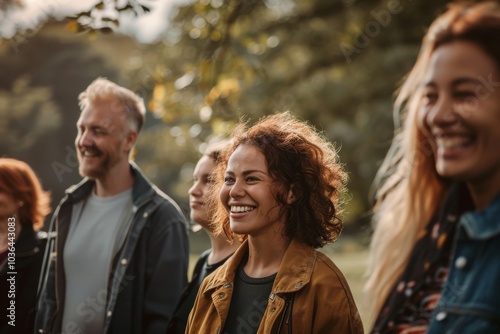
299 159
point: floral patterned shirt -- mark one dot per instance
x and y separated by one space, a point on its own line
409 306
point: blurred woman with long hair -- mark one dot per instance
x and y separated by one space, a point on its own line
441 173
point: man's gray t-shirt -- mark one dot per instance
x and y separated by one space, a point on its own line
88 253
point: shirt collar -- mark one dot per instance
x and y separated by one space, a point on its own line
483 224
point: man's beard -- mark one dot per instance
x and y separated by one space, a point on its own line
102 167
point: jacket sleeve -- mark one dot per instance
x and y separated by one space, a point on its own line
334 308
193 322
166 267
337 315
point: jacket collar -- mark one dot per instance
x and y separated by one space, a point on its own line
27 241
142 189
294 272
483 224
296 268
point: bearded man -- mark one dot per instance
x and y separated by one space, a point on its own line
119 261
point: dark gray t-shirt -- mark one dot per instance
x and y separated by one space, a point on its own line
248 303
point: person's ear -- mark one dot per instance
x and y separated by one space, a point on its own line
130 140
290 198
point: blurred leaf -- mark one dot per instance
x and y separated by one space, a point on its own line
74 26
105 30
127 7
111 20
84 14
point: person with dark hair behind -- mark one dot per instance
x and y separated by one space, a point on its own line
221 248
279 187
23 207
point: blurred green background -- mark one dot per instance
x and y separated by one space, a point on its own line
334 63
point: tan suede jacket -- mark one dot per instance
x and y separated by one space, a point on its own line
309 295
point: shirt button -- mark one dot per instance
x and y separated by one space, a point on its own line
145 215
460 262
229 285
124 262
272 296
441 316
221 295
408 292
109 314
298 285
273 309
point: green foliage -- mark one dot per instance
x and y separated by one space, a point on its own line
35 114
103 17
39 88
335 63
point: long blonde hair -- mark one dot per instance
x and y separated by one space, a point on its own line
409 189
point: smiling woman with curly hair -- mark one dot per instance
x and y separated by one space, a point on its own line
280 187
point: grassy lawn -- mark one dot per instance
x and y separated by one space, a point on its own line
352 263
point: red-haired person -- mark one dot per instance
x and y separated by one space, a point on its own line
23 207
279 187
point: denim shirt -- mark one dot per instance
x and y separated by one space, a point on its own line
470 301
